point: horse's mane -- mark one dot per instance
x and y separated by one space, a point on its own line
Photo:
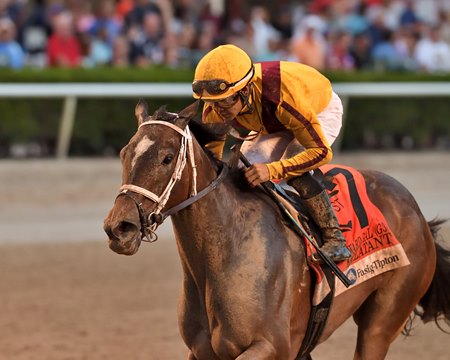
164 115
204 134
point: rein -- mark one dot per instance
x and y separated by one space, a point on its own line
150 223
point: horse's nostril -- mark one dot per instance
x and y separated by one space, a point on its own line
125 228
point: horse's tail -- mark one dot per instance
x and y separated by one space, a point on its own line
435 303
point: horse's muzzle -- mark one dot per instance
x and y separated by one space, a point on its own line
124 235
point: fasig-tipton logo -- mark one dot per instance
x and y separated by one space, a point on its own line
371 268
352 276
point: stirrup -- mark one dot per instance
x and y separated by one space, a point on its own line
338 256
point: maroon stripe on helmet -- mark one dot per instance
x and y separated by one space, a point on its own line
314 135
271 86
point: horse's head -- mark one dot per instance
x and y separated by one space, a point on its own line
152 165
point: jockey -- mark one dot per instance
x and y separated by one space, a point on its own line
294 117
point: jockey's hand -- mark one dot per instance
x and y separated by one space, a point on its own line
257 174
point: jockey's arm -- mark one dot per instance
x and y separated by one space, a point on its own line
307 130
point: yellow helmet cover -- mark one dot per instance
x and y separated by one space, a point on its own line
222 72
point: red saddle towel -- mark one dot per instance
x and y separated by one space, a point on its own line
374 247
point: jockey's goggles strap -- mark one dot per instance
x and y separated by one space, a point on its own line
219 86
245 100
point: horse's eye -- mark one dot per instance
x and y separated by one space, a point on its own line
168 159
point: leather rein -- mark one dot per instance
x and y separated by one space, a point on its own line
149 223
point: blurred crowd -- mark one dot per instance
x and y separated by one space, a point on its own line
346 35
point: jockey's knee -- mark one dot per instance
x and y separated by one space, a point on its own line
306 185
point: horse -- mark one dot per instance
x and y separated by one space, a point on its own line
246 282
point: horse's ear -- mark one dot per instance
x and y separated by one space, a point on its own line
187 114
141 111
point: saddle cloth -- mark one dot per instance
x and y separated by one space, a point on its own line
373 245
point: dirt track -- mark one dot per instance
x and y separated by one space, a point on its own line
65 295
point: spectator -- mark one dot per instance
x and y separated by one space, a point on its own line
444 24
34 34
205 41
360 50
242 35
63 48
392 12
283 23
355 22
135 17
432 53
338 56
171 51
123 7
147 47
309 47
83 16
405 43
428 10
99 52
409 16
14 10
385 55
264 32
186 40
377 29
11 53
106 21
120 52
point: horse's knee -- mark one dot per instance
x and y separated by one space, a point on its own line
261 350
191 356
229 348
372 344
224 346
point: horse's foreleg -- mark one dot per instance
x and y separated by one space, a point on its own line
260 350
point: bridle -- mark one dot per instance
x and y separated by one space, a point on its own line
150 223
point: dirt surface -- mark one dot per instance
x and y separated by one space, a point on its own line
65 295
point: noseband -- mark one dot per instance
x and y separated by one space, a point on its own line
150 223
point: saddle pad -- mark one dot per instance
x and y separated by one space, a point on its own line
374 247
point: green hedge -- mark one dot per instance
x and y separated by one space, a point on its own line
165 74
107 75
104 125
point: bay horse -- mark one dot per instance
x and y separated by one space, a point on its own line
246 283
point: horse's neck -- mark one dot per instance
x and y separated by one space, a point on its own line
206 226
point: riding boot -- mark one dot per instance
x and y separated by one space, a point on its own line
319 207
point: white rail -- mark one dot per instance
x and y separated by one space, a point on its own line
72 91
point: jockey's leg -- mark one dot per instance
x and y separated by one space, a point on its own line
315 199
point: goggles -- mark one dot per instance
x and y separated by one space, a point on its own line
217 87
225 103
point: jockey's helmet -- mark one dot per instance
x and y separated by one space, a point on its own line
222 72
